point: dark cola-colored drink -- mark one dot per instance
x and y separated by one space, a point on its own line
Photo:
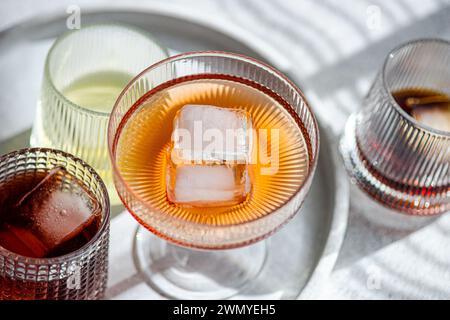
44 215
427 106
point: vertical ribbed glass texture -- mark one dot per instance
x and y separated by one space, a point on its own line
107 55
397 160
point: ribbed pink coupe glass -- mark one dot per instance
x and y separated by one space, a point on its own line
400 162
191 261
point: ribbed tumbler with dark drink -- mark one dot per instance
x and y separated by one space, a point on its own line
397 147
54 227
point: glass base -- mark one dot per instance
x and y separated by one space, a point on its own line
399 200
181 273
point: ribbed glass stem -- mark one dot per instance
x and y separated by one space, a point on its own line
215 63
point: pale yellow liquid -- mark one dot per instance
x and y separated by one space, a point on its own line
97 91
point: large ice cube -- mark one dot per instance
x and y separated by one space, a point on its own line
51 214
436 116
208 162
204 133
207 185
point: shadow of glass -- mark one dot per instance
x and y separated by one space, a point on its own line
392 284
372 226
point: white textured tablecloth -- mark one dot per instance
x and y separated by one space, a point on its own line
335 47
